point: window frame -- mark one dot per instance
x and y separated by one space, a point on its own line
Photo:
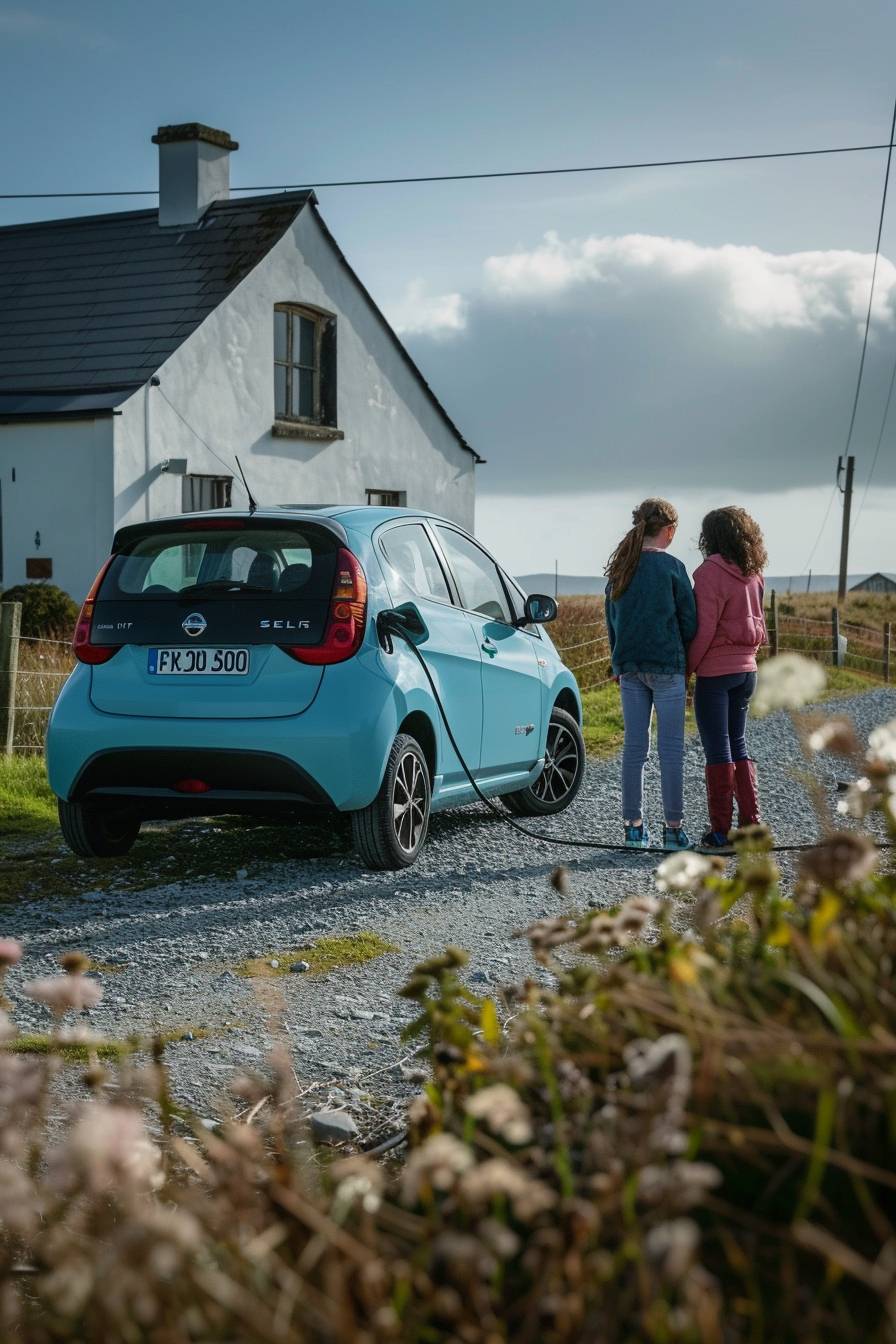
226 481
320 319
401 494
383 532
435 528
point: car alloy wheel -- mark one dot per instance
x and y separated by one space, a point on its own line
409 801
561 765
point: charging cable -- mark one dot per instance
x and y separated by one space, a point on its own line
395 623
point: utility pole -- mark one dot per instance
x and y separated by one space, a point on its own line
555 580
846 492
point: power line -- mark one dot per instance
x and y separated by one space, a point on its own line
824 521
479 177
196 434
880 439
880 229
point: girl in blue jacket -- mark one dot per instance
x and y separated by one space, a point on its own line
651 619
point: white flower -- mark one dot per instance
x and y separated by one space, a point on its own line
109 1149
859 799
788 682
835 735
435 1165
503 1111
683 871
64 993
882 743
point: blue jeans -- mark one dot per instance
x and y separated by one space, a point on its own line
641 692
720 705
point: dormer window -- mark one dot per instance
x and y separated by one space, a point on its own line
304 365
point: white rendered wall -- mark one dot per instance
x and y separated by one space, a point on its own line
63 490
222 382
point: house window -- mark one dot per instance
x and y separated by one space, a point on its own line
387 499
304 365
205 492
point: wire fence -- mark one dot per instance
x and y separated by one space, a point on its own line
34 669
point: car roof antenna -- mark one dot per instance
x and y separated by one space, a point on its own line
252 501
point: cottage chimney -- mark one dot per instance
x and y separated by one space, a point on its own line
194 170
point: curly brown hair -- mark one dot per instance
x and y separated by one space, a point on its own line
648 519
735 536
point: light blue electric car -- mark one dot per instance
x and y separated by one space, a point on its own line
258 663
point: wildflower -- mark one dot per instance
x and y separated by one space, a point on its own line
435 1165
10 952
882 743
358 1182
682 1183
672 1247
788 682
499 1178
600 933
108 1148
634 913
74 963
683 871
840 860
835 735
560 880
860 799
503 1111
64 993
547 933
8 1030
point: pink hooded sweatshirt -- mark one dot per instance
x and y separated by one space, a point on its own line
730 621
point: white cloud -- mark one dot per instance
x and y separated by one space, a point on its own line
752 289
419 313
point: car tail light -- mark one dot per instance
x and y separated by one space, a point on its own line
346 620
83 649
192 786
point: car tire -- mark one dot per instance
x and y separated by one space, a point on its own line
390 832
96 834
560 780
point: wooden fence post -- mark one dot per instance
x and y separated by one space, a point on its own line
835 636
888 629
773 634
10 625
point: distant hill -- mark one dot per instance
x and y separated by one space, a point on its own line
569 585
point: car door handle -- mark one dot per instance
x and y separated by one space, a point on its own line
488 647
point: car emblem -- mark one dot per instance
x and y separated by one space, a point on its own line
194 624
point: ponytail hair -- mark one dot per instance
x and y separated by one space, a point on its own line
648 520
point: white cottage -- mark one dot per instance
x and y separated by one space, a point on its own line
140 352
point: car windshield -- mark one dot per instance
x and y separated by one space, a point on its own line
224 562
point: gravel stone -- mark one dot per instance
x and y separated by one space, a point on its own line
333 1126
476 884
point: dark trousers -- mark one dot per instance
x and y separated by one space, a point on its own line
720 705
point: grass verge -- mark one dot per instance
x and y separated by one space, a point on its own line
27 806
324 954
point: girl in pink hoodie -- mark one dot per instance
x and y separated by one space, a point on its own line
729 590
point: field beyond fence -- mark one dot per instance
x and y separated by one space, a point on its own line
802 623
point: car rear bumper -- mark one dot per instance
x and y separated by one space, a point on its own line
331 756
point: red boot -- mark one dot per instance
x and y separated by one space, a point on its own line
746 792
720 799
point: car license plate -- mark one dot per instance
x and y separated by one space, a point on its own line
198 662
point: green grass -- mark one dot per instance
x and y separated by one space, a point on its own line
79 1052
27 807
324 954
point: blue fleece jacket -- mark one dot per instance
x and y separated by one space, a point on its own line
655 619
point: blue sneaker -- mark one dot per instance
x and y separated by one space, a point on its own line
637 837
715 842
676 837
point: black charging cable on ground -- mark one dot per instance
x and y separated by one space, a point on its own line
391 623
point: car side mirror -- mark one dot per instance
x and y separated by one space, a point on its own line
539 609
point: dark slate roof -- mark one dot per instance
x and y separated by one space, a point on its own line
91 307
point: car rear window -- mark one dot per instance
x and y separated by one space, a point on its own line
242 562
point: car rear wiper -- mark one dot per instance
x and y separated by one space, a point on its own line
223 586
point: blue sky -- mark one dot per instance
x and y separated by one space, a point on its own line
592 368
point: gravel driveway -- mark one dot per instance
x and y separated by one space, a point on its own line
171 948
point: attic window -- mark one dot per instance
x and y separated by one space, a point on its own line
304 365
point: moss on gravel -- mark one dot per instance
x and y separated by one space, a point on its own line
324 954
78 1052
